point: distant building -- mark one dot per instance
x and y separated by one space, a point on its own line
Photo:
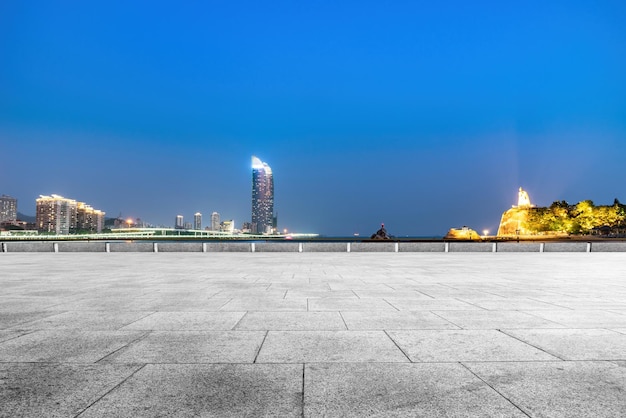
8 208
228 226
179 222
89 219
262 198
215 221
187 226
56 214
197 221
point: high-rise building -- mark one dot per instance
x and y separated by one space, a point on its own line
215 221
8 208
56 214
197 221
262 197
89 219
179 222
228 226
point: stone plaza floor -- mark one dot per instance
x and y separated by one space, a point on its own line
313 334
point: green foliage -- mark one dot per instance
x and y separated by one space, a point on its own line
580 218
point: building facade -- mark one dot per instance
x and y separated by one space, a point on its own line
262 198
179 222
56 214
88 219
215 221
8 208
197 221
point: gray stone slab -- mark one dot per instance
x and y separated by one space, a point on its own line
206 390
496 319
187 321
329 346
192 347
319 294
576 344
608 246
421 247
470 247
265 304
179 247
56 390
68 346
513 304
276 247
10 319
430 304
94 321
388 320
291 321
373 247
399 390
135 247
349 304
559 389
568 247
230 247
515 247
584 318
181 305
9 334
81 247
29 247
323 247
465 345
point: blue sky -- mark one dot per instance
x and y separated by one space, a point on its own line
424 116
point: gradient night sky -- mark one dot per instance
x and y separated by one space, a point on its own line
423 116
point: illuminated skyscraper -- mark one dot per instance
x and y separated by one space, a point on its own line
8 208
262 197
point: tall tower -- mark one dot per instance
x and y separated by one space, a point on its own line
8 208
56 214
179 222
215 221
197 221
262 197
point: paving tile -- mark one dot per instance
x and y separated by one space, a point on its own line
174 305
265 305
13 319
480 319
203 390
431 304
69 346
56 390
9 334
465 345
85 320
387 320
584 318
559 389
180 321
319 294
399 390
576 344
512 304
192 347
291 321
329 346
349 304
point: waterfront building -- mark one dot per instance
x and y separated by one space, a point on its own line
56 214
8 208
187 226
262 198
228 226
197 221
215 221
89 219
179 222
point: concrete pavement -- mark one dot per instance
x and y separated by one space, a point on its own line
312 334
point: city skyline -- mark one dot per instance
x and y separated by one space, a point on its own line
424 117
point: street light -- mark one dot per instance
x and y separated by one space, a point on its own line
485 232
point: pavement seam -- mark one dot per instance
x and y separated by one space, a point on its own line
344 321
110 390
390 304
532 345
136 320
141 337
446 319
396 344
260 347
494 389
303 371
238 322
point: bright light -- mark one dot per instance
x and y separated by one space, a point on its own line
256 163
485 232
129 222
285 231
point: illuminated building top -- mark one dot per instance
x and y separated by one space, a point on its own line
523 200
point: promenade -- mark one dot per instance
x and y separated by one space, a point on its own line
313 334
